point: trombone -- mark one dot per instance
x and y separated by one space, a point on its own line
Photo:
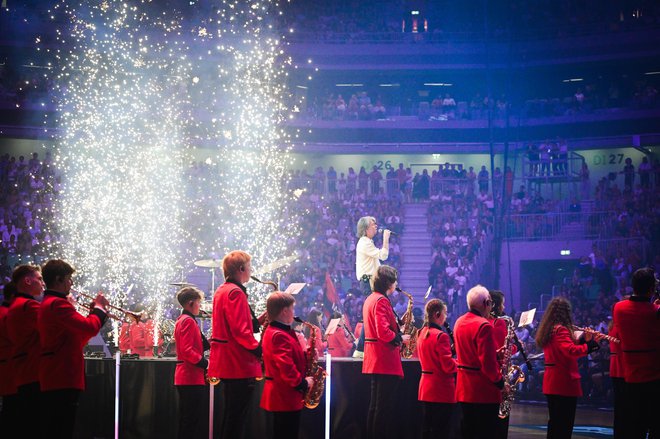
125 314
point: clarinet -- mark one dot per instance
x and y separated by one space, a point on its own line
450 333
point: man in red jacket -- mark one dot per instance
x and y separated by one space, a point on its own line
24 336
285 366
480 383
9 410
63 332
190 366
637 322
235 353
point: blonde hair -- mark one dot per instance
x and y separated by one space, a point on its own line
234 262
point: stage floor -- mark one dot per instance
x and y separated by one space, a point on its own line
530 420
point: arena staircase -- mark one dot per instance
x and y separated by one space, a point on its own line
415 244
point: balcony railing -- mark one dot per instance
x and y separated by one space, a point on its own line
558 226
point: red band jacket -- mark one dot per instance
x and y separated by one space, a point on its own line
124 337
285 365
479 375
234 350
24 336
64 332
6 353
437 383
381 337
137 336
616 361
190 347
638 324
561 376
338 343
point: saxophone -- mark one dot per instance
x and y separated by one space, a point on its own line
512 374
408 349
313 395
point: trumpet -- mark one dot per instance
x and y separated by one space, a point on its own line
597 334
125 314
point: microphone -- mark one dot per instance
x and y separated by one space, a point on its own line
382 230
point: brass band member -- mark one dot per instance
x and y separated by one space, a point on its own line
23 334
500 330
437 386
9 411
480 383
285 364
637 321
235 353
63 332
561 379
382 359
189 378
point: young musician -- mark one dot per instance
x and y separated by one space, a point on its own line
7 388
24 336
339 344
437 386
480 383
382 358
637 321
235 353
618 384
500 332
191 366
561 379
285 365
63 332
314 318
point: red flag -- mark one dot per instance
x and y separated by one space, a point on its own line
330 291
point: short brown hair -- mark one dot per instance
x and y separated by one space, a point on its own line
189 294
56 269
23 271
234 262
384 278
276 302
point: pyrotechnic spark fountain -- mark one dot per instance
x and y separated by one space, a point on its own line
120 152
138 90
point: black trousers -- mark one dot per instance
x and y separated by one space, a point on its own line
365 289
230 419
643 410
619 388
382 406
28 400
501 428
193 411
561 410
478 421
286 424
9 414
436 419
58 413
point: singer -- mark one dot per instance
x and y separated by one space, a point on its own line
367 255
367 261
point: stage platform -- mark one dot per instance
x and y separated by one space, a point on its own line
149 405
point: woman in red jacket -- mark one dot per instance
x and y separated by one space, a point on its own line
561 379
437 387
382 360
285 364
190 366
